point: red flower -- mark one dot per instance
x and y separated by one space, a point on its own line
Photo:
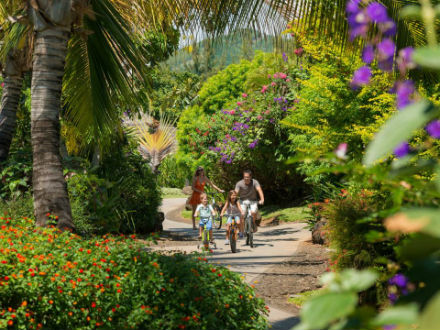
48 214
219 275
93 304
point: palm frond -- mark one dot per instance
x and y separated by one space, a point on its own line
156 138
99 70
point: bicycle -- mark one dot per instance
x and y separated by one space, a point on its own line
249 228
206 239
233 231
217 220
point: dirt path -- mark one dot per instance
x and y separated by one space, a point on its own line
281 264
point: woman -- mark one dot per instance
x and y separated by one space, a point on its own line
198 187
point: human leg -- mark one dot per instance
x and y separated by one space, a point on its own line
194 207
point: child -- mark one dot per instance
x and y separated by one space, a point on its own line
232 209
206 213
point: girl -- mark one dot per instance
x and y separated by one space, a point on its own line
232 209
198 187
206 213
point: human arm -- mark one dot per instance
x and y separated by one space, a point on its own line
193 186
225 207
214 186
260 193
196 213
212 211
240 209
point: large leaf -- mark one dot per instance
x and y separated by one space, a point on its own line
419 246
428 57
399 129
430 318
397 315
424 220
319 311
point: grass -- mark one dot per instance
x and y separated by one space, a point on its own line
290 214
302 297
172 193
186 214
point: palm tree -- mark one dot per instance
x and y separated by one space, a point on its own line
53 23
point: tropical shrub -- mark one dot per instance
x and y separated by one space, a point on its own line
247 133
172 175
57 280
121 195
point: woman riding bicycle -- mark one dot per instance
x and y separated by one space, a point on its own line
198 188
233 211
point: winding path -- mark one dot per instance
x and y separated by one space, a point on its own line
273 246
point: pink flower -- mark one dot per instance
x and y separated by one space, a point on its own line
260 117
239 103
232 112
273 84
3 84
269 76
264 89
299 51
267 112
275 75
244 95
287 80
282 75
341 151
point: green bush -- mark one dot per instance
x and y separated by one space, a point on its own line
173 174
121 195
55 280
19 207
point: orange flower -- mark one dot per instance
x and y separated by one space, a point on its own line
24 303
10 322
51 302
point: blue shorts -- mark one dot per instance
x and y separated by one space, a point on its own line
237 219
208 223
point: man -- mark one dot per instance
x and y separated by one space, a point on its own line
247 189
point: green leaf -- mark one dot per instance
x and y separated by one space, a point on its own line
429 215
355 280
399 129
397 315
430 318
411 12
419 246
428 57
319 311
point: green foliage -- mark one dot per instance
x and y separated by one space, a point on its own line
248 135
16 175
121 195
56 280
18 208
171 174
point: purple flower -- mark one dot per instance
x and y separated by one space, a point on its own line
285 58
361 76
402 150
386 49
233 138
392 297
352 6
229 161
246 126
405 61
389 327
400 280
252 145
388 28
404 91
433 129
368 54
386 65
377 12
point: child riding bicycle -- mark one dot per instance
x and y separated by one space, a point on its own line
233 210
206 213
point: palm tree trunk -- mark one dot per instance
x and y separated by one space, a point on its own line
50 189
13 79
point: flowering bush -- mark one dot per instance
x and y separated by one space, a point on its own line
57 280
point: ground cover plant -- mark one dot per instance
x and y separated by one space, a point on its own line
57 280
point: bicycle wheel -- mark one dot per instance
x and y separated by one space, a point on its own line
217 218
233 241
251 239
205 239
247 230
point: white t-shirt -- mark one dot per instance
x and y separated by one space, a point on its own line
204 211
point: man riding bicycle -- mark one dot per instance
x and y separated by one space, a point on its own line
247 189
